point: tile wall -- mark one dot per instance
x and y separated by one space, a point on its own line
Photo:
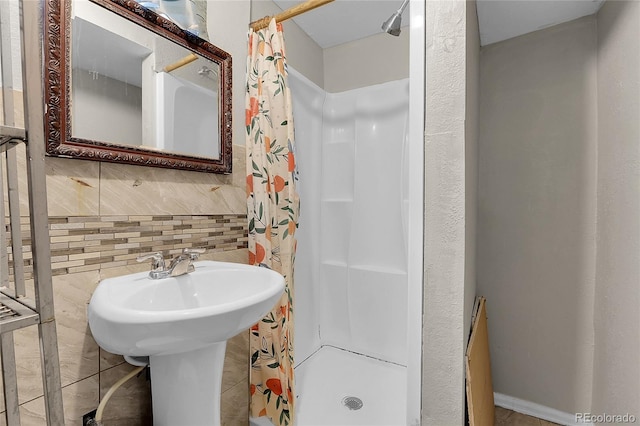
90 243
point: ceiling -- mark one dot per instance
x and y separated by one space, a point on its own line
347 20
502 20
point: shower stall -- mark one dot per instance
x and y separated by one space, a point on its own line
359 260
351 281
351 263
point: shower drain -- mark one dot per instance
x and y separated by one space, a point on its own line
352 402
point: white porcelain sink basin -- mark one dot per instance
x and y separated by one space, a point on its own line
182 324
135 315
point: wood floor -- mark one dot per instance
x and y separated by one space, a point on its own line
505 417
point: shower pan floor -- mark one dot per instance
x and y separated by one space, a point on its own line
331 375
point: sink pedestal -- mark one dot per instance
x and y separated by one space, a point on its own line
186 387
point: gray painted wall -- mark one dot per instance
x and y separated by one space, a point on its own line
616 384
372 60
537 204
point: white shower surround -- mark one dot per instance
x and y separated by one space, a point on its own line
351 286
396 382
353 253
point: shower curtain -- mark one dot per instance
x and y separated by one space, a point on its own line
273 205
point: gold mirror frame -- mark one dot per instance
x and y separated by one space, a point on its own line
59 140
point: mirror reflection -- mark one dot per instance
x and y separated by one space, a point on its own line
126 85
131 86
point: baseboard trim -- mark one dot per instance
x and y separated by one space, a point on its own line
536 410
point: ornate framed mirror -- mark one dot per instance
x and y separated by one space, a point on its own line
124 84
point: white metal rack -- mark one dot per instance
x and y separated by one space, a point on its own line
16 309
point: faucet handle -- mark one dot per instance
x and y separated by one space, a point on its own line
193 253
157 263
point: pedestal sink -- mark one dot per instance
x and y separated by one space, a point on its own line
182 325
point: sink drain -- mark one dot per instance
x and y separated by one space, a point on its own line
352 402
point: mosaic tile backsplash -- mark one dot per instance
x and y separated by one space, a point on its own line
88 243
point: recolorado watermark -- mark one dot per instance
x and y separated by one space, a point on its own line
605 418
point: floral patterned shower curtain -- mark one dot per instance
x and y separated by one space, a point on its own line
272 203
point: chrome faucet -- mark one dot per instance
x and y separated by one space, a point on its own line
179 265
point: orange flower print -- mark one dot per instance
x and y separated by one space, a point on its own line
252 389
260 254
252 258
254 327
267 233
278 183
292 162
249 185
262 412
292 227
283 310
275 386
254 105
254 108
289 395
280 65
267 144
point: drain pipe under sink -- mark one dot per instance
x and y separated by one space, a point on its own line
111 391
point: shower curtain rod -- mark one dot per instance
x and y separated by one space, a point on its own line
289 13
180 62
296 10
